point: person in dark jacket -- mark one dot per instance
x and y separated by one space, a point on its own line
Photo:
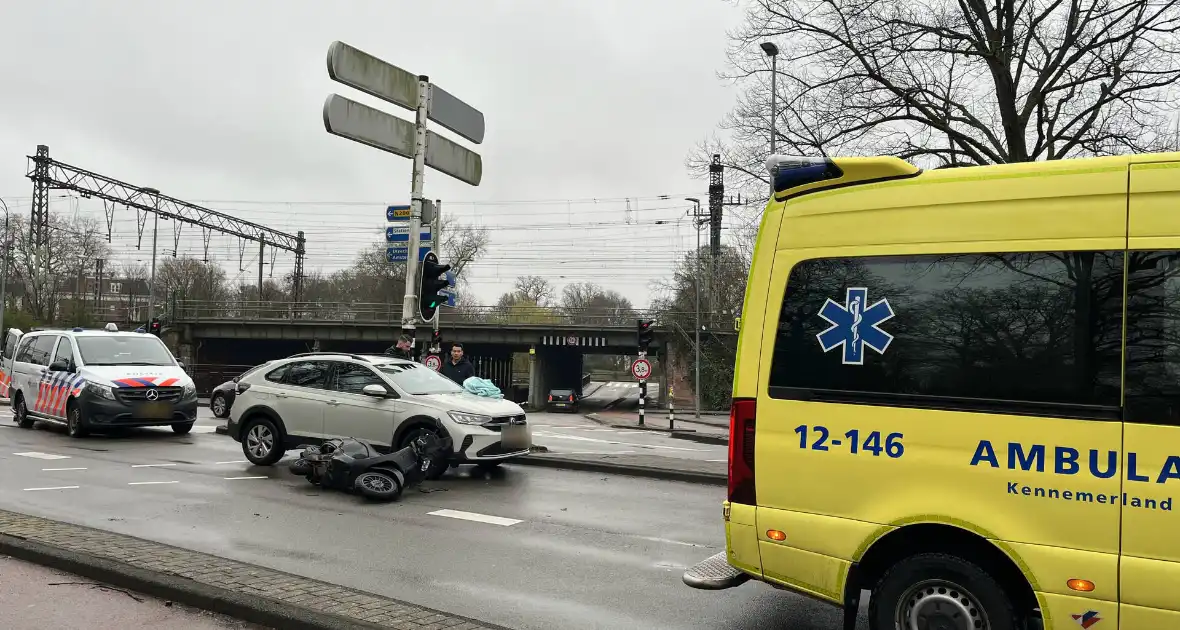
458 368
403 349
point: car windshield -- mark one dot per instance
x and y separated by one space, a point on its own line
561 392
418 380
123 350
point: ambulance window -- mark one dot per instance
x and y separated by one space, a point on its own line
1153 338
1027 333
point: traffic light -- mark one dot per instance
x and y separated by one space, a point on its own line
154 326
429 286
435 339
645 334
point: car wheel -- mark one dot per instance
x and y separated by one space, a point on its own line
438 466
180 428
20 413
76 426
936 590
261 442
219 405
378 485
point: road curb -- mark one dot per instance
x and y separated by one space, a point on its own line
630 470
702 438
300 603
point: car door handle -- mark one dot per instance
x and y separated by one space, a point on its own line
333 402
280 395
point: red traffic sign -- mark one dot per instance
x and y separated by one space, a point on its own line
641 369
434 362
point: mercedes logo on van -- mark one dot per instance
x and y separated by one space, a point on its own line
152 394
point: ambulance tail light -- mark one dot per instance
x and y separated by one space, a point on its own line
741 451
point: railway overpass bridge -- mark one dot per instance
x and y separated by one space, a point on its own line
555 340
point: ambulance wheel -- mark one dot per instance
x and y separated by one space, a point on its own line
933 590
20 413
75 424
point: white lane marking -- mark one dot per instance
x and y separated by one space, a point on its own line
586 439
236 478
593 452
37 455
717 460
201 429
148 483
236 461
59 469
473 516
151 465
53 488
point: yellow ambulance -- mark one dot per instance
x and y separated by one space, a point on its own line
959 389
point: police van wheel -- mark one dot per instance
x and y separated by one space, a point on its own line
75 425
20 413
933 590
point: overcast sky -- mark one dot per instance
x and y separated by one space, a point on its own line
219 103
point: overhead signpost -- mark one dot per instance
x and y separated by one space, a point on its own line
360 123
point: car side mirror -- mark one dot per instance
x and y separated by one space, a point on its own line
59 366
376 391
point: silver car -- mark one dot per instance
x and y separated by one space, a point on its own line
308 398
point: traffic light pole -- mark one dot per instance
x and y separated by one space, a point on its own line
436 239
410 303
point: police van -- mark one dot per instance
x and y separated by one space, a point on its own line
96 380
959 390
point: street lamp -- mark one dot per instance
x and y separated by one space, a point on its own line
696 289
772 51
155 233
4 275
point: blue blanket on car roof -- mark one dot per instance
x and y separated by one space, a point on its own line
482 387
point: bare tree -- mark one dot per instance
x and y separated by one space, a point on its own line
948 82
535 289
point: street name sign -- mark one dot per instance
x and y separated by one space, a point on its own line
355 68
360 123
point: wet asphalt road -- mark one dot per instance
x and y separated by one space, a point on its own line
527 548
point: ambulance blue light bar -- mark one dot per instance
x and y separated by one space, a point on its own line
792 171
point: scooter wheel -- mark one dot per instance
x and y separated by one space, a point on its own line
300 467
378 486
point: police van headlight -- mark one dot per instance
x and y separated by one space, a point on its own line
102 391
189 391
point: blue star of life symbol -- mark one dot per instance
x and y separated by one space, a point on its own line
854 326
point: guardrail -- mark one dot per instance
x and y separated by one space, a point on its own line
362 312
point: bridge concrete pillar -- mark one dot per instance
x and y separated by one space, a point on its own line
665 367
536 397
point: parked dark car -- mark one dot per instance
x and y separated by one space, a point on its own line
563 400
222 397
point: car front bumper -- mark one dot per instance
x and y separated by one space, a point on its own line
478 443
103 412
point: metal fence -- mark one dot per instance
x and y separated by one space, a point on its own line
371 312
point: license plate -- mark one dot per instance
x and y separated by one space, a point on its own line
153 411
514 436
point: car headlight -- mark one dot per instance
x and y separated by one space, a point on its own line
469 418
102 391
190 391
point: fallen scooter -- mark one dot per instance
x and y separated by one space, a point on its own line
349 464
